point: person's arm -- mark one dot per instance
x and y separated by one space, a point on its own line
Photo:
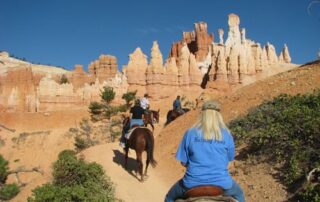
231 147
182 153
131 112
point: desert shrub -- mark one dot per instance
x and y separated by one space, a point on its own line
64 79
122 108
83 138
85 127
82 143
285 130
115 129
310 194
107 94
129 96
3 169
95 108
75 180
113 110
8 191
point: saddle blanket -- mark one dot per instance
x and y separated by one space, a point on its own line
128 134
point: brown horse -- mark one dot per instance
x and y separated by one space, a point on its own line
151 117
140 140
173 114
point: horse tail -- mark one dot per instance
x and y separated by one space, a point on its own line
150 148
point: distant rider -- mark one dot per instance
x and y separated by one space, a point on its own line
177 105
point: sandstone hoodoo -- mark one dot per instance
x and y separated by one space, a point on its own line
195 63
27 87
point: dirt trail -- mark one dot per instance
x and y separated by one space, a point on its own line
128 188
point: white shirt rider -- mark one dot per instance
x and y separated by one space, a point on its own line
144 102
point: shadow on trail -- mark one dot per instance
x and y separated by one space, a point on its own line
119 158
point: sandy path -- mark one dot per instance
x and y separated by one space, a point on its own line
128 188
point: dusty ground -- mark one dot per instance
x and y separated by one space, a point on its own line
46 136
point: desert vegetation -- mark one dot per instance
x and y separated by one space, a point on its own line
75 180
104 109
7 191
284 133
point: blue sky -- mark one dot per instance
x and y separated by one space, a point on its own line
69 32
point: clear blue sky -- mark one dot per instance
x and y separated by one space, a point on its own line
69 32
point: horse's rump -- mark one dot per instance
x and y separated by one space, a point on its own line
141 139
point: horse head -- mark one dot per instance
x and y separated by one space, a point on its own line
156 115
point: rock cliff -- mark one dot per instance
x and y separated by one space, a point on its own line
26 87
197 62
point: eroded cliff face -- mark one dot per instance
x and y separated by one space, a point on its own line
196 63
232 62
26 87
161 80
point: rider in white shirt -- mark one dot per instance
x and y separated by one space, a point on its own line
144 102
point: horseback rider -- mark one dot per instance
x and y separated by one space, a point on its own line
137 113
144 102
177 105
206 150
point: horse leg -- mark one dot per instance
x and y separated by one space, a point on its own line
147 164
126 157
140 164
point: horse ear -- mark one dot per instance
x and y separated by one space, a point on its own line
158 110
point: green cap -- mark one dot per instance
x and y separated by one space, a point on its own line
211 105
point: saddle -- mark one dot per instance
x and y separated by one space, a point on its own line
205 193
204 190
128 134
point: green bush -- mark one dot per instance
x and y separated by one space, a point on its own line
95 108
8 191
310 194
129 96
285 130
3 169
108 94
75 180
82 143
64 79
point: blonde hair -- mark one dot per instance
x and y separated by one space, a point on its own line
211 122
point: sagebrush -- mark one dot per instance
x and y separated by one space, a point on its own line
285 131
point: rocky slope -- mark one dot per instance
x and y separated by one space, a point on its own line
257 181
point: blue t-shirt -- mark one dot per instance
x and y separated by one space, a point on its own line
176 104
206 160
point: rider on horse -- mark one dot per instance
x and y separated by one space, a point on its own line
136 120
177 105
144 102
